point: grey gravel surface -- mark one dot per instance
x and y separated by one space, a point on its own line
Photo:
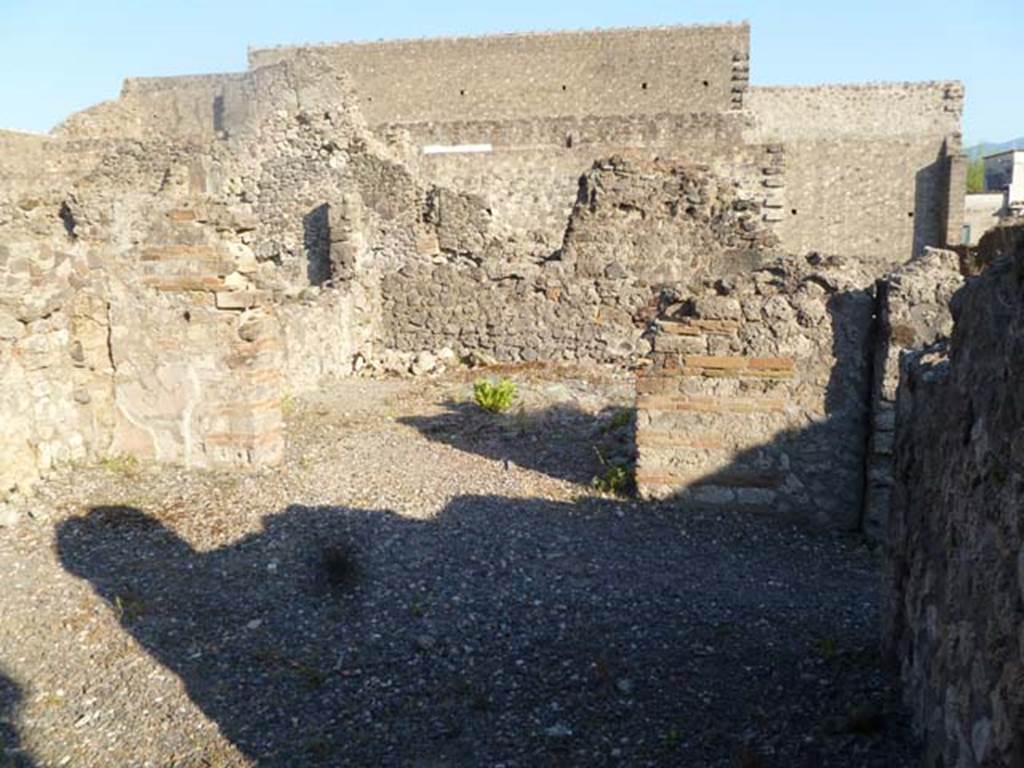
422 584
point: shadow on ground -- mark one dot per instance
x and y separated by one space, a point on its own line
11 753
562 441
508 631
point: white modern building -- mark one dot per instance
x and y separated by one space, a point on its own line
1004 172
1003 195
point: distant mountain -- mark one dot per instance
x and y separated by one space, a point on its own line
991 148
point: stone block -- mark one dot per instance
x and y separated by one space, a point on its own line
241 299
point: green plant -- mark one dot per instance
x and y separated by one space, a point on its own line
673 738
120 464
615 479
287 404
494 396
128 607
828 648
622 418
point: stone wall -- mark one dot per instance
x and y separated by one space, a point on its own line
756 396
530 177
189 107
956 537
871 171
262 204
636 230
867 168
155 293
912 312
56 394
502 77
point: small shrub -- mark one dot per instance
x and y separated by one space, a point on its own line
828 648
494 396
287 404
614 480
621 419
120 464
128 607
673 738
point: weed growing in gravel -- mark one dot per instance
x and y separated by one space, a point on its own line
287 404
416 608
121 464
319 749
673 738
827 647
621 419
616 479
494 396
312 676
128 607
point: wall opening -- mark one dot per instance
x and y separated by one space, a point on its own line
218 114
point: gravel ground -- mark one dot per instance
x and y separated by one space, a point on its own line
423 584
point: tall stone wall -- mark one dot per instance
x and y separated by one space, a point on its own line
508 77
956 536
866 166
756 396
870 171
912 312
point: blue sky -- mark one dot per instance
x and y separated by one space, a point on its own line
60 56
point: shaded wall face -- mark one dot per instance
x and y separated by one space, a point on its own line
956 535
757 397
616 72
912 311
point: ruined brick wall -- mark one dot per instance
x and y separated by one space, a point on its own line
189 107
870 171
637 230
956 536
56 397
147 283
530 178
866 171
20 154
500 77
912 311
266 194
757 394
